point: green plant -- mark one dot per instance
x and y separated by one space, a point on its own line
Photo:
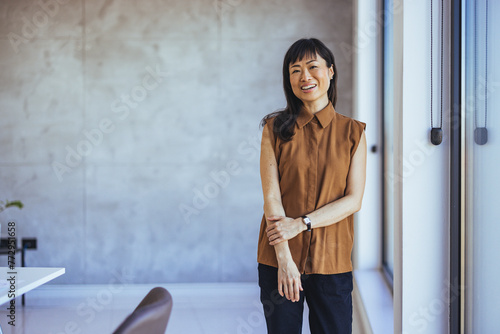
7 204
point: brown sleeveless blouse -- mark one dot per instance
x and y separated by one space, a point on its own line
313 169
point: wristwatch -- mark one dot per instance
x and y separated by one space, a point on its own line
307 221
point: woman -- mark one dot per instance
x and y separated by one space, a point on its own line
313 165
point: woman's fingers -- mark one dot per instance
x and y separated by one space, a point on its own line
290 294
281 230
290 289
276 241
273 235
275 218
289 282
272 227
274 230
271 230
296 289
285 290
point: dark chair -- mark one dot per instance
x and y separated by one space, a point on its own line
151 315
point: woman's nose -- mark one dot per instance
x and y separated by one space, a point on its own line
305 75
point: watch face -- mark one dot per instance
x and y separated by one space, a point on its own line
307 222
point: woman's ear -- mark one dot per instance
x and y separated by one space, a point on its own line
331 72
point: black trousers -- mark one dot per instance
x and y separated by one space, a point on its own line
328 297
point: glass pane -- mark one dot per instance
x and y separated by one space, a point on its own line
390 178
482 98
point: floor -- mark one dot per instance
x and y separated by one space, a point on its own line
377 300
228 308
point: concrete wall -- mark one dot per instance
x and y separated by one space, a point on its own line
130 129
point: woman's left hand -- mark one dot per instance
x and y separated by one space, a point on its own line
282 228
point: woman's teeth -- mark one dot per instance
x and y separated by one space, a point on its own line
308 87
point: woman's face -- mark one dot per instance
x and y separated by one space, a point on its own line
310 79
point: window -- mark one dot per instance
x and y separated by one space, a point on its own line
390 178
482 183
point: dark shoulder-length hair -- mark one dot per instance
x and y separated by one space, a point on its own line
285 119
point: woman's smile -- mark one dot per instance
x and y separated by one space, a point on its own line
308 88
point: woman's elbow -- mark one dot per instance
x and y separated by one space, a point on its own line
356 204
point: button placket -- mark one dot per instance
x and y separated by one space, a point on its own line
313 132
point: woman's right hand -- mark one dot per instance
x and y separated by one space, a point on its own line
289 283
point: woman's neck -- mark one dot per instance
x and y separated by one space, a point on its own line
317 105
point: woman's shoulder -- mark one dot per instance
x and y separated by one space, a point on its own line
267 125
349 121
268 121
270 118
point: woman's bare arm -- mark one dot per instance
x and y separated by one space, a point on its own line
289 282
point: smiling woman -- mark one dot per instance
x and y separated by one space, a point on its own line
313 163
310 80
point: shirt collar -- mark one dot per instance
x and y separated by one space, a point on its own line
324 116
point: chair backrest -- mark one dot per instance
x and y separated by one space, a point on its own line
150 316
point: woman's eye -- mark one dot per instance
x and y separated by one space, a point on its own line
314 66
295 71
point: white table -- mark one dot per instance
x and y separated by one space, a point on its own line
26 279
